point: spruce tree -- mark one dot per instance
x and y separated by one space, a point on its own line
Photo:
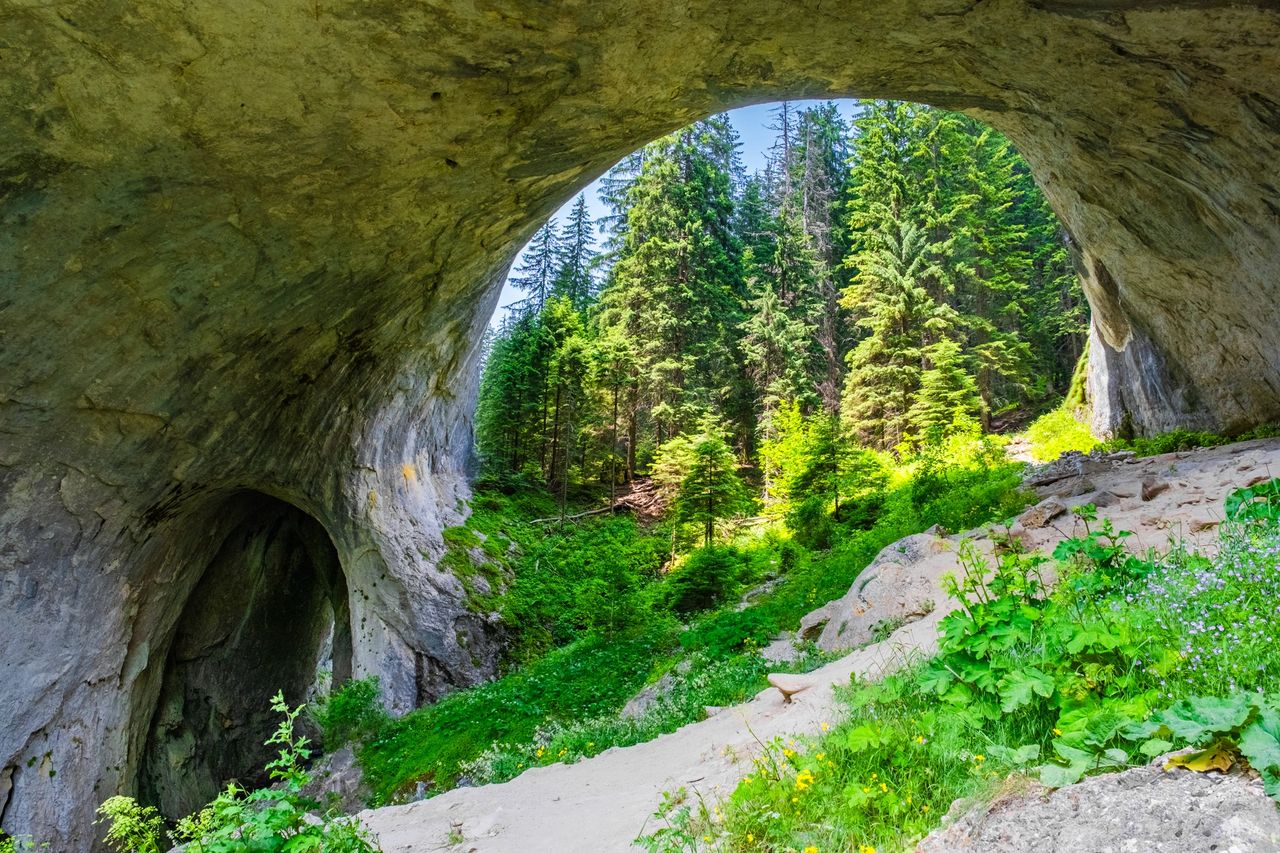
948 394
712 489
575 258
539 265
890 301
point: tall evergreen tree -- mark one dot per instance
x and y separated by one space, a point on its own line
575 258
676 289
948 394
712 489
539 265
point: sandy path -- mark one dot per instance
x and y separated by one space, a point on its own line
605 802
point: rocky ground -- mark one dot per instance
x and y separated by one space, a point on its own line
604 803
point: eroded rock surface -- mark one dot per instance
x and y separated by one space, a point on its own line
253 247
1143 810
902 584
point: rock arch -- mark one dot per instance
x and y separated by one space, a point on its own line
254 246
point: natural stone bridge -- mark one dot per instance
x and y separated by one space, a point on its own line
248 250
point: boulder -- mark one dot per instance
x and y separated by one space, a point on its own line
1139 810
1042 513
901 585
338 781
1153 487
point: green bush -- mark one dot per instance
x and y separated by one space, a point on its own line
811 523
351 714
583 578
1059 432
707 578
278 818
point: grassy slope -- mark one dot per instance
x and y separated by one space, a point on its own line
1080 681
588 609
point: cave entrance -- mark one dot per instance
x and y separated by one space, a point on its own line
269 613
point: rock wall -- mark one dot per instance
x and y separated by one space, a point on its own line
253 247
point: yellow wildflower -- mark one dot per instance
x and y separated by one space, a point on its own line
1057 731
820 756
884 788
979 758
750 838
811 849
825 726
804 779
788 752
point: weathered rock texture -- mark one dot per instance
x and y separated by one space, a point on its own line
251 246
902 584
1137 811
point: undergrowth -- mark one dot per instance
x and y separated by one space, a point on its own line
1127 658
595 618
279 818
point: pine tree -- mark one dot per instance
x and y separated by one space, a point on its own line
948 394
676 288
575 258
712 489
890 301
539 264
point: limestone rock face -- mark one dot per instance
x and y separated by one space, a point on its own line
902 584
250 249
1145 808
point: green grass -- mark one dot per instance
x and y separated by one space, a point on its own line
1059 432
587 679
1121 662
592 622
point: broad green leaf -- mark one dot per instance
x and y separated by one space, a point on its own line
1193 719
1155 746
1057 776
863 737
1020 686
1260 742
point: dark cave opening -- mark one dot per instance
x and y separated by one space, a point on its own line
269 613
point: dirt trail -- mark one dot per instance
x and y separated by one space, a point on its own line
605 802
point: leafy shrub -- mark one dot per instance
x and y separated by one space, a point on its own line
811 523
1059 432
351 714
708 577
583 578
132 827
270 819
